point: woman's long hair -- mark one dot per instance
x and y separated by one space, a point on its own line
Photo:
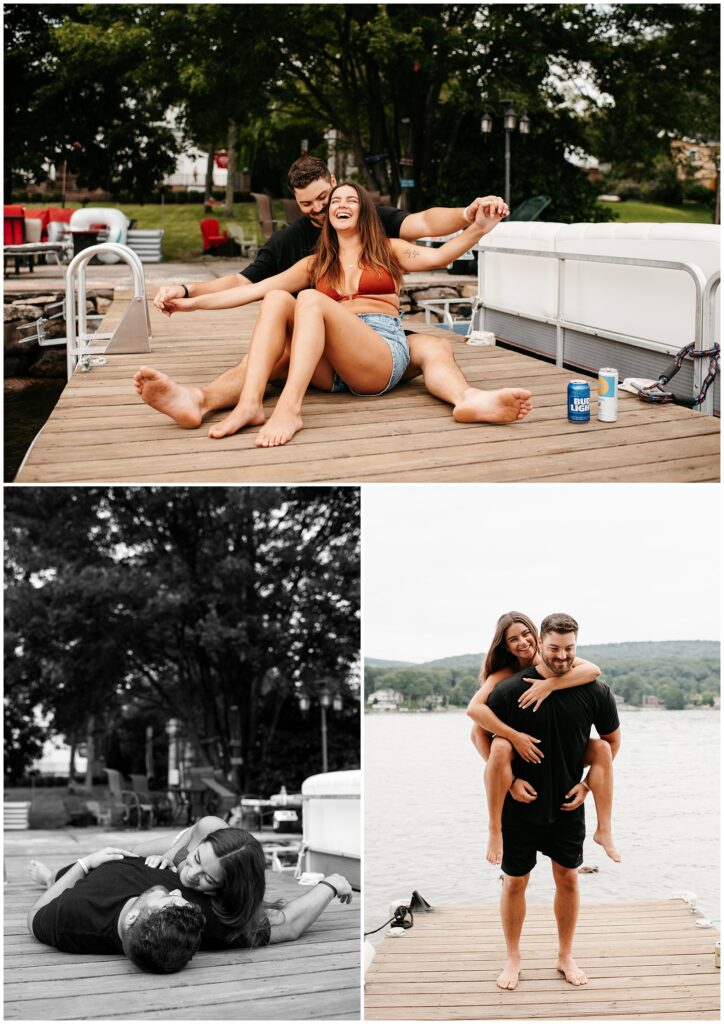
239 904
498 655
376 254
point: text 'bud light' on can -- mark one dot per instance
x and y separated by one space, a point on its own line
579 401
608 394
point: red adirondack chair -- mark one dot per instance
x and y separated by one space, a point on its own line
210 233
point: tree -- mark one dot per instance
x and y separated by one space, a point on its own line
217 606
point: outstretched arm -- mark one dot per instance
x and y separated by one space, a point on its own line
73 875
291 922
167 846
292 280
417 257
582 673
439 220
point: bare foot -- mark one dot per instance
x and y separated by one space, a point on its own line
40 873
183 404
280 428
605 839
508 977
240 416
495 846
504 406
571 971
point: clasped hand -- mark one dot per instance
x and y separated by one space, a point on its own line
108 853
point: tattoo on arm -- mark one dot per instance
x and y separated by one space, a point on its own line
413 252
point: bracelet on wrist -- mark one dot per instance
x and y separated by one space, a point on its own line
83 865
186 291
329 886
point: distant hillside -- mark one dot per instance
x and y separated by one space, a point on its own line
678 673
594 652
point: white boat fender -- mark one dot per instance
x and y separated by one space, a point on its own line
687 897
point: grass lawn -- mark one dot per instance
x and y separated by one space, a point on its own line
648 213
180 222
47 810
182 234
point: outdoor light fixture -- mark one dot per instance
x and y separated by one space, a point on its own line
325 697
304 702
510 123
337 702
510 118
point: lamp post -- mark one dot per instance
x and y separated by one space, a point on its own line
510 123
327 699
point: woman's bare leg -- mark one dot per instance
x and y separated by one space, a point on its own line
326 336
498 780
270 338
600 782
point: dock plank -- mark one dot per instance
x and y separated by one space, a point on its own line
101 432
645 960
314 978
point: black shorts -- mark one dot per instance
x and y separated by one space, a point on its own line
562 841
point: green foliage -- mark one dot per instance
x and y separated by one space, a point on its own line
677 672
23 740
94 83
186 603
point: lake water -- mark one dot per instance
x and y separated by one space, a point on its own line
425 814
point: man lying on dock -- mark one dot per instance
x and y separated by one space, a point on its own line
543 811
112 902
430 355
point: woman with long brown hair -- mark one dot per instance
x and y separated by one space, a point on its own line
343 332
515 646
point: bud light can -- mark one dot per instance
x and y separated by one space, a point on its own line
579 401
608 395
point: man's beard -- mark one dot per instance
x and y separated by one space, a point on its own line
559 669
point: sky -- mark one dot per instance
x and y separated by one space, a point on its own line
629 562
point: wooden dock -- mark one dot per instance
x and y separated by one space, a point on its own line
100 431
644 961
315 978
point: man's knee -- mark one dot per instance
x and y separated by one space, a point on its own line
566 879
514 885
426 347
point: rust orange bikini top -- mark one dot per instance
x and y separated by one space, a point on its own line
372 284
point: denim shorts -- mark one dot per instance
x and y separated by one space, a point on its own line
390 330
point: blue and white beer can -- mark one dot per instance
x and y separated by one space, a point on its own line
579 401
608 394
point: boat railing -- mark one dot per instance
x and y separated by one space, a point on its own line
704 304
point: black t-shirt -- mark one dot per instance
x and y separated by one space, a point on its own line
292 243
563 725
84 919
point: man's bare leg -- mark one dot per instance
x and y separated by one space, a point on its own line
498 780
433 357
565 905
188 405
600 781
41 873
512 915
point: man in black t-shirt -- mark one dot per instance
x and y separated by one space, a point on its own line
112 902
543 811
105 903
430 355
